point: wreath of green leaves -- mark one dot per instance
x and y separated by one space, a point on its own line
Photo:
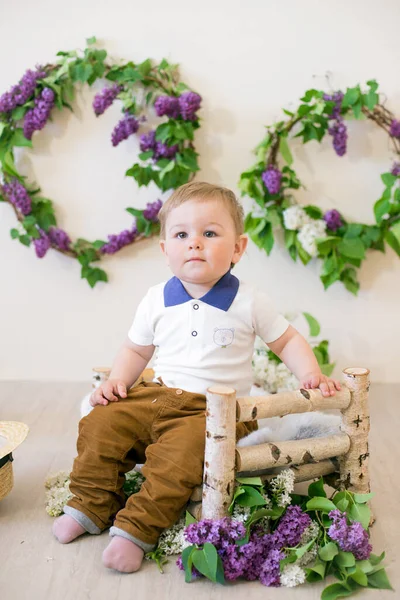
343 249
139 86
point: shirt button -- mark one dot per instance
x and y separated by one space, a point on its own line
179 392
195 306
194 333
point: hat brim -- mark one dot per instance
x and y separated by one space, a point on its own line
14 432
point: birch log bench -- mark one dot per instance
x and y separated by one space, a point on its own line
343 457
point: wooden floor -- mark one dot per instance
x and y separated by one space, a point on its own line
34 566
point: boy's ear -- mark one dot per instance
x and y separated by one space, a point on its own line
240 247
162 246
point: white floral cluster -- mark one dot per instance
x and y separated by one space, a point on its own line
292 575
282 486
273 377
240 513
172 540
58 493
295 218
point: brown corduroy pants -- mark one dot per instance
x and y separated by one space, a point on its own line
162 427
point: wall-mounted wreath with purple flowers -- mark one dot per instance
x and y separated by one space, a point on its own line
309 232
167 158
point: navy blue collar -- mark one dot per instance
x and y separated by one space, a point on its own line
220 296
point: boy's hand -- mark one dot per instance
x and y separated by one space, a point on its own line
108 392
324 383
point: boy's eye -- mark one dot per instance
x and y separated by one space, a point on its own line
181 235
210 234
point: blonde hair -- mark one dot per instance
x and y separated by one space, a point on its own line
203 191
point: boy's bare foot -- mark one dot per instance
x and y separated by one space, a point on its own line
66 529
122 555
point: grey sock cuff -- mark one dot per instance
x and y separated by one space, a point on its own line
82 519
128 536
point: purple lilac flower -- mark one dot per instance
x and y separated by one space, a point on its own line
396 169
221 532
291 527
161 150
167 105
148 141
18 195
395 128
60 238
189 103
118 241
151 211
20 93
351 538
272 179
337 98
164 151
333 219
42 244
270 571
126 127
105 98
36 117
339 132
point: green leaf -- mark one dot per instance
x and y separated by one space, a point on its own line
360 577
328 552
379 580
314 330
360 513
14 234
375 559
187 562
206 561
146 155
388 179
250 498
313 211
95 275
345 559
285 150
351 96
322 504
91 40
362 498
189 519
18 139
316 572
83 72
250 480
353 248
135 212
325 245
336 590
357 108
393 241
18 113
25 240
343 504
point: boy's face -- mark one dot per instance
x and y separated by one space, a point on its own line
201 242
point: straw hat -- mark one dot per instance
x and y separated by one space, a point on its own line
12 434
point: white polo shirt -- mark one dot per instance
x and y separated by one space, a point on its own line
205 341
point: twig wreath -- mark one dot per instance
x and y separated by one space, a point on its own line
308 231
168 157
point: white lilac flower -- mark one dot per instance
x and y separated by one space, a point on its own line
172 540
240 513
295 217
58 493
308 557
309 233
282 486
292 575
309 533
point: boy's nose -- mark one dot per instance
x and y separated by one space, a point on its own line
195 244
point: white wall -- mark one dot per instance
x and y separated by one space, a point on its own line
247 60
